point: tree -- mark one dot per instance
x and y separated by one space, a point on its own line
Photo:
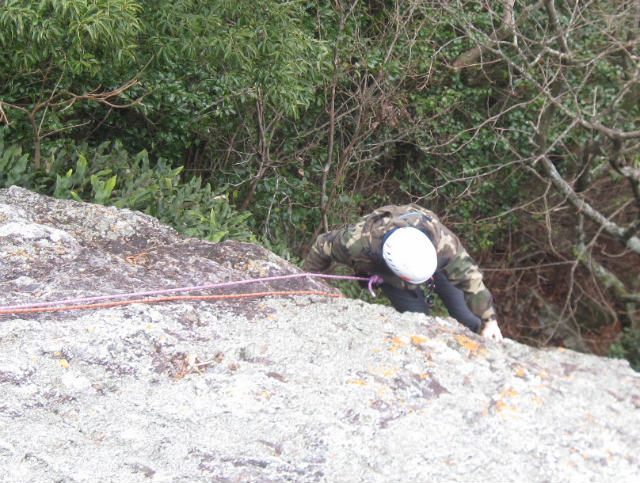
565 81
55 57
223 76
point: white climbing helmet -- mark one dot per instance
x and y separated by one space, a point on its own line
410 254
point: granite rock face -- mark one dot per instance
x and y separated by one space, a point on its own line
269 389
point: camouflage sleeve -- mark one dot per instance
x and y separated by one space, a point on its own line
319 257
465 274
327 248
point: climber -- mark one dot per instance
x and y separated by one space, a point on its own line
408 246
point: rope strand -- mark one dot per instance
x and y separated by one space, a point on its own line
91 302
164 299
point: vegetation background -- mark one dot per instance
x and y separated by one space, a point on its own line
272 121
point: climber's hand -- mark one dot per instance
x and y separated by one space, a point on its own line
492 331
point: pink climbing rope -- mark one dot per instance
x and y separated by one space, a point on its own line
372 281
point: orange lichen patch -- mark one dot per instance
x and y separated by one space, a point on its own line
63 363
509 393
358 382
501 406
544 375
520 372
537 400
384 371
253 266
471 345
397 343
418 339
403 341
20 253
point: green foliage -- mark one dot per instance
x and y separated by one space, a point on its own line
54 51
211 62
102 189
65 183
282 215
14 165
66 36
108 174
628 347
115 177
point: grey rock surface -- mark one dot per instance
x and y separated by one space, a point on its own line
288 388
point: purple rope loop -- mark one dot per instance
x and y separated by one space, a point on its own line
372 280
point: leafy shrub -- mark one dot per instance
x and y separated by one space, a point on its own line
110 175
628 347
14 165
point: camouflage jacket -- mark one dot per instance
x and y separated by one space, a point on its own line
359 246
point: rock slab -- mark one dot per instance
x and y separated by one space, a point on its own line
288 388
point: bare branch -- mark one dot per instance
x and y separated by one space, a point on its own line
62 101
628 239
3 115
472 57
